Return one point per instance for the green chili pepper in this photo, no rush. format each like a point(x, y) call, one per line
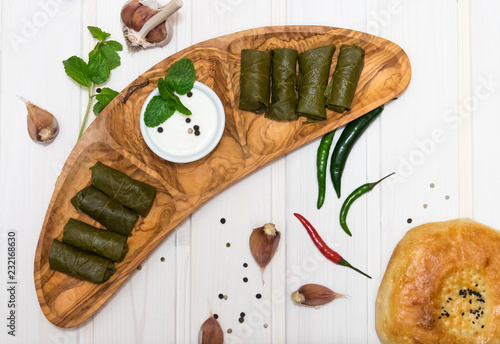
point(321, 162)
point(351, 198)
point(346, 141)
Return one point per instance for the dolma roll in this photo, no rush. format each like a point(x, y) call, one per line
point(105, 210)
point(340, 92)
point(314, 70)
point(108, 244)
point(131, 193)
point(284, 76)
point(77, 263)
point(254, 80)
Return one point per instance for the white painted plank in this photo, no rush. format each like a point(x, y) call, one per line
point(28, 171)
point(464, 110)
point(146, 305)
point(182, 35)
point(483, 104)
point(278, 217)
point(216, 18)
point(416, 138)
point(218, 269)
point(215, 268)
point(419, 140)
point(339, 321)
point(337, 13)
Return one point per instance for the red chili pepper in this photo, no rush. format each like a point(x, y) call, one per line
point(323, 247)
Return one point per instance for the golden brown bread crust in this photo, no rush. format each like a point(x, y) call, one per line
point(442, 285)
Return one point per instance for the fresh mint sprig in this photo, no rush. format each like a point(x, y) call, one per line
point(179, 79)
point(102, 59)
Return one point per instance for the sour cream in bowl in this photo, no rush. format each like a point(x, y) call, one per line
point(183, 138)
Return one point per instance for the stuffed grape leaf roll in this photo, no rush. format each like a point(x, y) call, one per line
point(105, 243)
point(284, 78)
point(111, 214)
point(77, 263)
point(340, 92)
point(131, 193)
point(314, 70)
point(255, 80)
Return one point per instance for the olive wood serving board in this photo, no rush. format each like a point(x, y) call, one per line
point(249, 142)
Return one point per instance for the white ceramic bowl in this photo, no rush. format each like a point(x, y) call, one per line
point(221, 120)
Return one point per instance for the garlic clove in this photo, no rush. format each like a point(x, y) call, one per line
point(140, 16)
point(42, 125)
point(264, 243)
point(128, 11)
point(211, 332)
point(158, 34)
point(314, 295)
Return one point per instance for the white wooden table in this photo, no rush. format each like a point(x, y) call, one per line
point(440, 137)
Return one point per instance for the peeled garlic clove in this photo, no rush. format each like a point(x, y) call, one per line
point(263, 244)
point(42, 125)
point(314, 295)
point(211, 332)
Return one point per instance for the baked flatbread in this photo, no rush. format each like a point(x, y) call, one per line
point(442, 285)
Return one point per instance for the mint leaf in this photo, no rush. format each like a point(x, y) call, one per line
point(98, 33)
point(181, 76)
point(111, 56)
point(101, 60)
point(97, 108)
point(180, 79)
point(98, 68)
point(176, 103)
point(164, 91)
point(103, 99)
point(78, 70)
point(157, 112)
point(115, 45)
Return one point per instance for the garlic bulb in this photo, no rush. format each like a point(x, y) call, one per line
point(42, 125)
point(146, 23)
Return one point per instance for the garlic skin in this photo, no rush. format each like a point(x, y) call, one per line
point(42, 125)
point(264, 242)
point(314, 295)
point(211, 332)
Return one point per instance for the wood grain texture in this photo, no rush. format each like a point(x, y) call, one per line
point(249, 142)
